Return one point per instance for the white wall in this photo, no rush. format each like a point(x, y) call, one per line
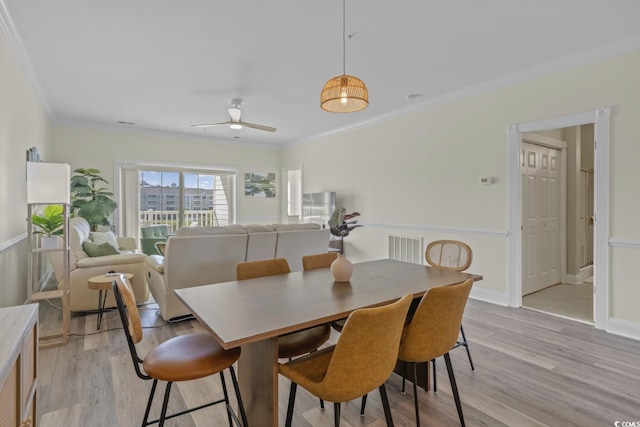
point(418, 174)
point(23, 124)
point(90, 148)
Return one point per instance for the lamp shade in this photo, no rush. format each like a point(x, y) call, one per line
point(48, 183)
point(344, 94)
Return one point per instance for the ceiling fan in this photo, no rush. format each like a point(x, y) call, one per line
point(236, 122)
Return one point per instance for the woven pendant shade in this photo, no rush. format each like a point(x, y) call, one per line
point(344, 94)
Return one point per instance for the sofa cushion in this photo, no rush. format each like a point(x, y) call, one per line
point(259, 228)
point(104, 237)
point(112, 260)
point(204, 231)
point(98, 249)
point(295, 227)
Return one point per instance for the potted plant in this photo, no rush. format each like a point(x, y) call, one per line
point(50, 224)
point(89, 199)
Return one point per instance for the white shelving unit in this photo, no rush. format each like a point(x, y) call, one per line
point(48, 184)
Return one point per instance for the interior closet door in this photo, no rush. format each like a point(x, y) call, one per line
point(540, 168)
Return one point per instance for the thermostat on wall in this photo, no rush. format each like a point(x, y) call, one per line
point(486, 180)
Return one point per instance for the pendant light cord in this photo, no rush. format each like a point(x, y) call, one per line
point(344, 38)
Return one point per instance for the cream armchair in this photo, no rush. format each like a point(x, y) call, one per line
point(82, 267)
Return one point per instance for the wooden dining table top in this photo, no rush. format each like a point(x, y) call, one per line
point(247, 311)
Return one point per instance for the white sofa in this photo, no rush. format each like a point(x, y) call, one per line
point(82, 267)
point(197, 256)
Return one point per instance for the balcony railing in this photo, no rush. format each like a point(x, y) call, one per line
point(205, 218)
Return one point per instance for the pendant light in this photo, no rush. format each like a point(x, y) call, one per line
point(345, 93)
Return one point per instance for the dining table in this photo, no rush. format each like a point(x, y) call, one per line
point(253, 313)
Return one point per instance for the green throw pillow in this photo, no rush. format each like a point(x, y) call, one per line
point(102, 249)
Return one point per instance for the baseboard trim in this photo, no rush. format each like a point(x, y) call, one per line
point(577, 279)
point(487, 295)
point(624, 328)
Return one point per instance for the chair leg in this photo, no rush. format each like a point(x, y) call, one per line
point(385, 405)
point(292, 399)
point(404, 376)
point(363, 404)
point(454, 388)
point(336, 414)
point(226, 398)
point(415, 392)
point(466, 346)
point(435, 381)
point(321, 404)
point(146, 412)
point(243, 414)
point(165, 403)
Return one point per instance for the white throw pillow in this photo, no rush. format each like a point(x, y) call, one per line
point(104, 237)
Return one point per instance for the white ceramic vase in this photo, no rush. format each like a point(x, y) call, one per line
point(341, 269)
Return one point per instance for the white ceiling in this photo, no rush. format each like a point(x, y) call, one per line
point(167, 64)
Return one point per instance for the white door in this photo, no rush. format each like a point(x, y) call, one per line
point(540, 168)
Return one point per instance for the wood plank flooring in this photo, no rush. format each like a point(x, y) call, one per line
point(532, 369)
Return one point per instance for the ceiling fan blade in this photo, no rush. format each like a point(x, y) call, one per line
point(259, 127)
point(210, 125)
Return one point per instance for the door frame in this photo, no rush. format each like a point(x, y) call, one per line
point(601, 119)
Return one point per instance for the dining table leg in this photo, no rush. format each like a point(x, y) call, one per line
point(258, 381)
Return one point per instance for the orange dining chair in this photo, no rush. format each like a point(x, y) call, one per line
point(450, 255)
point(181, 358)
point(295, 343)
point(361, 361)
point(323, 260)
point(433, 332)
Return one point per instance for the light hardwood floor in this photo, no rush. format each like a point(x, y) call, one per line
point(532, 369)
point(572, 301)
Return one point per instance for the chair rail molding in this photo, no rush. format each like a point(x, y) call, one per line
point(12, 243)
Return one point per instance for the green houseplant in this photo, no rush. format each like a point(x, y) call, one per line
point(49, 224)
point(90, 199)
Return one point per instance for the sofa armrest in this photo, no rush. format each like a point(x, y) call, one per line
point(127, 243)
point(155, 263)
point(112, 260)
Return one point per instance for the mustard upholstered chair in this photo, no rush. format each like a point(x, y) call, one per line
point(323, 260)
point(451, 255)
point(433, 332)
point(295, 343)
point(361, 361)
point(182, 358)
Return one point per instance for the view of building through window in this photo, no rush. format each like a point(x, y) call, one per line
point(185, 198)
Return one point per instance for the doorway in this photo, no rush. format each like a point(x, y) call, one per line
point(600, 118)
point(557, 234)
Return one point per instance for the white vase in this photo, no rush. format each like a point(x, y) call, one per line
point(49, 242)
point(341, 269)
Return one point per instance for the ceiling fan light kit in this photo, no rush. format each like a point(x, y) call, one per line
point(344, 93)
point(235, 122)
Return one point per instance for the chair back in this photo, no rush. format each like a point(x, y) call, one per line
point(435, 326)
point(366, 352)
point(449, 255)
point(323, 260)
point(268, 267)
point(130, 317)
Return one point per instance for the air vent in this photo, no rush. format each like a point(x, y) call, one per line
point(406, 248)
point(126, 123)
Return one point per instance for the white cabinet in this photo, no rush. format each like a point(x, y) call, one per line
point(18, 366)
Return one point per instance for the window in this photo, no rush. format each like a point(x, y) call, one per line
point(184, 198)
point(179, 197)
